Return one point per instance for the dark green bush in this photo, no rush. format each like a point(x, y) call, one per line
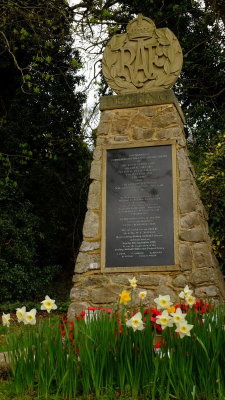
point(21, 274)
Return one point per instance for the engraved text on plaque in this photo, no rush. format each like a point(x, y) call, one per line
point(139, 207)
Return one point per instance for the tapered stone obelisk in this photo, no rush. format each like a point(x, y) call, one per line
point(144, 214)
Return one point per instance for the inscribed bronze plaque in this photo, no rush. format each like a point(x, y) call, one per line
point(139, 207)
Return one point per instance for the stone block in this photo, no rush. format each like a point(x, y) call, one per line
point(179, 281)
point(100, 141)
point(202, 255)
point(183, 164)
point(91, 224)
point(94, 199)
point(121, 279)
point(181, 141)
point(86, 262)
point(190, 220)
point(215, 262)
point(95, 172)
point(121, 138)
point(151, 279)
point(149, 111)
point(165, 290)
point(165, 119)
point(201, 276)
point(202, 211)
point(187, 198)
point(105, 295)
point(206, 291)
point(185, 257)
point(119, 126)
point(76, 279)
point(195, 186)
point(193, 235)
point(97, 154)
point(106, 116)
point(166, 108)
point(148, 299)
point(140, 133)
point(75, 308)
point(140, 121)
point(95, 280)
point(89, 246)
point(78, 294)
point(125, 112)
point(167, 133)
point(103, 128)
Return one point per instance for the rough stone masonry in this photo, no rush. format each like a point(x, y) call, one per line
point(145, 112)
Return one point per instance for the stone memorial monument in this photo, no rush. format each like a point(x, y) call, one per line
point(144, 214)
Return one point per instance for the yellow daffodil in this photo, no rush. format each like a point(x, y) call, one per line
point(178, 316)
point(171, 309)
point(190, 300)
point(186, 292)
point(136, 322)
point(48, 304)
point(125, 297)
point(30, 317)
point(163, 301)
point(164, 320)
point(184, 329)
point(20, 313)
point(142, 294)
point(5, 319)
point(133, 282)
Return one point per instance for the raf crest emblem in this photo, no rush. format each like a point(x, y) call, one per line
point(143, 59)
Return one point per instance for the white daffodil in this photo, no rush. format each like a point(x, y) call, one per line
point(133, 282)
point(136, 322)
point(190, 300)
point(164, 320)
point(163, 301)
point(20, 313)
point(186, 292)
point(48, 304)
point(184, 329)
point(30, 317)
point(5, 319)
point(178, 316)
point(142, 295)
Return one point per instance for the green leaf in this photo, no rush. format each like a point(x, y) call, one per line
point(48, 59)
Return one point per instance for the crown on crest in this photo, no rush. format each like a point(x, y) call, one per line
point(140, 27)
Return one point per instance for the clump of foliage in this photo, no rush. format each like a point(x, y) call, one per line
point(44, 161)
point(20, 275)
point(212, 184)
point(104, 356)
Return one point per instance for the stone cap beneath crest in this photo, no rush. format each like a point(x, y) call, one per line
point(141, 99)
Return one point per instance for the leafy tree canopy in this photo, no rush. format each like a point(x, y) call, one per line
point(43, 154)
point(211, 179)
